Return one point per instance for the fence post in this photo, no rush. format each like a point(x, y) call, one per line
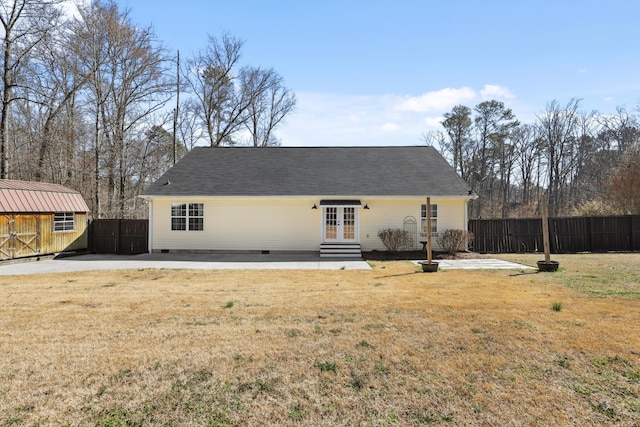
point(553, 235)
point(513, 241)
point(90, 235)
point(120, 221)
point(590, 223)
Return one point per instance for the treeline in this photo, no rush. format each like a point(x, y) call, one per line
point(93, 101)
point(587, 163)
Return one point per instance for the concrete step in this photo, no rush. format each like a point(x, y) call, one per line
point(340, 250)
point(341, 255)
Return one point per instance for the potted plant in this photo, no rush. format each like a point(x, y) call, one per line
point(429, 266)
point(547, 265)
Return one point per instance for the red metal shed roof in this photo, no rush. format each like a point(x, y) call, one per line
point(26, 196)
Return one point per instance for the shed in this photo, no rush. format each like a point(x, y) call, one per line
point(38, 218)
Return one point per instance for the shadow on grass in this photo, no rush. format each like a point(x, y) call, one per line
point(525, 273)
point(398, 275)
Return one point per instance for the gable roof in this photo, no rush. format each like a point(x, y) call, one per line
point(26, 196)
point(310, 171)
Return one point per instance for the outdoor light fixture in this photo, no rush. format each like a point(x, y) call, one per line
point(314, 206)
point(366, 206)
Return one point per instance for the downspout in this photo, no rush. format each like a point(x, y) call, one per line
point(471, 196)
point(150, 237)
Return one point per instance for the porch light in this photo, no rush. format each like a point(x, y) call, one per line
point(366, 206)
point(314, 206)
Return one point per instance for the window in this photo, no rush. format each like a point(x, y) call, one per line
point(63, 221)
point(434, 219)
point(187, 216)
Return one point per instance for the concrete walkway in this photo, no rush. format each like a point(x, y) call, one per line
point(221, 261)
point(249, 261)
point(479, 264)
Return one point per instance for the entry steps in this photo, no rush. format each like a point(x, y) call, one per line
point(340, 250)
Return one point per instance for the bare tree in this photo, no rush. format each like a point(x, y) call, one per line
point(128, 84)
point(269, 103)
point(53, 84)
point(623, 189)
point(83, 101)
point(229, 98)
point(506, 158)
point(559, 128)
point(623, 129)
point(188, 129)
point(528, 147)
point(90, 47)
point(494, 123)
point(25, 23)
point(581, 182)
point(210, 74)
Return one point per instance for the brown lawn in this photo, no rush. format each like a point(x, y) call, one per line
point(385, 347)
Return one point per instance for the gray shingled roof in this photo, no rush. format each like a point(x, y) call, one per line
point(310, 171)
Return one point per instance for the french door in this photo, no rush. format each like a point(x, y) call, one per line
point(340, 224)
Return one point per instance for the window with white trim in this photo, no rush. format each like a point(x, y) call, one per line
point(187, 216)
point(434, 219)
point(63, 221)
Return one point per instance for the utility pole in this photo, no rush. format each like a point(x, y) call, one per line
point(176, 111)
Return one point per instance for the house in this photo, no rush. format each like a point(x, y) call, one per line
point(328, 199)
point(38, 218)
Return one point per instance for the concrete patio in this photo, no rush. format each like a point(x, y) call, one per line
point(220, 261)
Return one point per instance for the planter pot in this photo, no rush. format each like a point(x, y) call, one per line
point(548, 266)
point(429, 267)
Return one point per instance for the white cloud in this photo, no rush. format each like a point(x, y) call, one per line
point(322, 119)
point(608, 99)
point(329, 119)
point(496, 92)
point(69, 8)
point(434, 122)
point(582, 70)
point(436, 101)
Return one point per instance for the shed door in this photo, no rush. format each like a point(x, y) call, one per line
point(19, 236)
point(26, 240)
point(6, 244)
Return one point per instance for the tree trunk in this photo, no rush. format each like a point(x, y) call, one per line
point(429, 244)
point(6, 101)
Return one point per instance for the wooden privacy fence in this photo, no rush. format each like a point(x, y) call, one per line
point(566, 235)
point(119, 236)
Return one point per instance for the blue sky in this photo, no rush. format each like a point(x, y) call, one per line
point(383, 72)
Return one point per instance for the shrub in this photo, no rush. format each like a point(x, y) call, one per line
point(453, 241)
point(395, 239)
point(597, 207)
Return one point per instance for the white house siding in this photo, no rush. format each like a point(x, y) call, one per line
point(390, 213)
point(241, 224)
point(276, 224)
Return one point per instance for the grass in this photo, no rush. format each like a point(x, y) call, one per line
point(597, 275)
point(453, 348)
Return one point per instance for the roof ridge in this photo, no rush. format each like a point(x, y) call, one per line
point(319, 146)
point(16, 184)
